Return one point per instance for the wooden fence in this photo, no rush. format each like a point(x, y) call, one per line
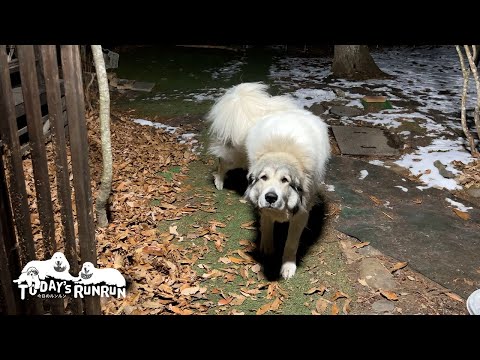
point(50, 74)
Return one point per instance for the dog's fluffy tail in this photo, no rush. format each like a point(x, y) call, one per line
point(239, 108)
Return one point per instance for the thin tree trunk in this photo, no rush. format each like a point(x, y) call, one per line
point(466, 78)
point(103, 90)
point(473, 67)
point(355, 62)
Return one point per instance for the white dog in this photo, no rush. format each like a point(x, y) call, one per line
point(91, 275)
point(57, 268)
point(285, 150)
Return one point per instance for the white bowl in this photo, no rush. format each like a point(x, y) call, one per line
point(473, 303)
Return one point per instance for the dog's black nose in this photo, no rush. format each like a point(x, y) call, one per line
point(271, 197)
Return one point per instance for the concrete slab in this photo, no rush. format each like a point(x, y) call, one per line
point(356, 140)
point(416, 226)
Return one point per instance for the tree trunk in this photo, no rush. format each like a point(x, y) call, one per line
point(106, 184)
point(355, 62)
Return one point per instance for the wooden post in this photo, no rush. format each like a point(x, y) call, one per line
point(55, 115)
point(72, 74)
point(18, 192)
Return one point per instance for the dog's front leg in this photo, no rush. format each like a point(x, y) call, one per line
point(266, 237)
point(295, 229)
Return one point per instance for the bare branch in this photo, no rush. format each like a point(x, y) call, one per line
point(466, 77)
point(473, 68)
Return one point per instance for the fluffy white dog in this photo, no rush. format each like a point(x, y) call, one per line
point(285, 150)
point(91, 275)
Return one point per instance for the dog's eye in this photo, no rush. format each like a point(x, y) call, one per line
point(264, 178)
point(284, 180)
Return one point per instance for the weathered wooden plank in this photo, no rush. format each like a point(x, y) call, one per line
point(72, 74)
point(57, 128)
point(31, 99)
point(9, 259)
point(16, 178)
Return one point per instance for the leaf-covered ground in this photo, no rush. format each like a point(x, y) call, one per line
point(187, 248)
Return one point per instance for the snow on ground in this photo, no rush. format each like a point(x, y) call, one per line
point(308, 97)
point(428, 75)
point(363, 174)
point(421, 162)
point(457, 205)
point(228, 71)
point(330, 187)
point(403, 188)
point(187, 138)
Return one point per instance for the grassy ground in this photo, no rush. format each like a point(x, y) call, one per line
point(322, 262)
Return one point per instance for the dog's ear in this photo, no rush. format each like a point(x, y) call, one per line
point(295, 184)
point(252, 179)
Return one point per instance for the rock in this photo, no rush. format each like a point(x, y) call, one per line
point(369, 251)
point(318, 109)
point(349, 251)
point(376, 275)
point(474, 192)
point(382, 306)
point(443, 170)
point(339, 93)
point(342, 110)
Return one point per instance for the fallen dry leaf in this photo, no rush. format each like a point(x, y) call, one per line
point(375, 200)
point(321, 289)
point(417, 201)
point(335, 310)
point(255, 268)
point(454, 297)
point(173, 230)
point(361, 245)
point(398, 266)
point(428, 171)
point(410, 278)
point(346, 307)
point(390, 295)
point(339, 295)
point(462, 215)
point(226, 301)
point(236, 260)
point(263, 309)
point(321, 305)
point(190, 290)
point(363, 282)
point(276, 304)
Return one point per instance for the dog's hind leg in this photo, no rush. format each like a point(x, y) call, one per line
point(266, 237)
point(295, 229)
point(224, 166)
point(219, 175)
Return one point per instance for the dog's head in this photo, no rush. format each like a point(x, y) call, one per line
point(277, 184)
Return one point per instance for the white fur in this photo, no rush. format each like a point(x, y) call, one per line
point(285, 149)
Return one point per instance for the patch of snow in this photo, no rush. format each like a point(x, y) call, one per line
point(458, 206)
point(404, 133)
point(330, 187)
point(404, 189)
point(363, 174)
point(314, 96)
point(376, 162)
point(421, 162)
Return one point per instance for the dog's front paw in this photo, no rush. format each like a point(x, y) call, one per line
point(288, 270)
point(218, 180)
